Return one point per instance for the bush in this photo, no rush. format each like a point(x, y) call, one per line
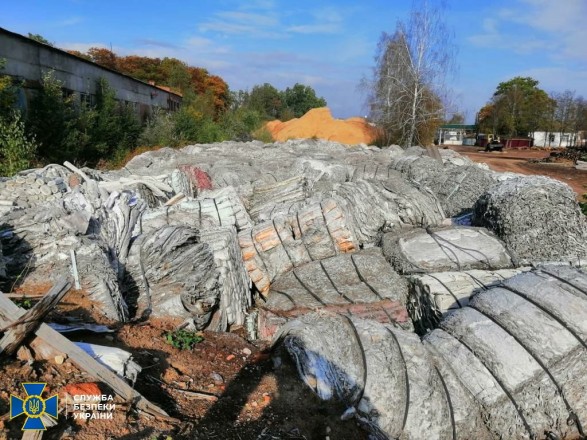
point(159, 130)
point(17, 149)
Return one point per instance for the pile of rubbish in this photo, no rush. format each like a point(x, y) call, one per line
point(432, 296)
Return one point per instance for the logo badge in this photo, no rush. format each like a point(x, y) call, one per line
point(33, 406)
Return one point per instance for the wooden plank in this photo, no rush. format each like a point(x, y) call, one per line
point(17, 331)
point(98, 371)
point(9, 312)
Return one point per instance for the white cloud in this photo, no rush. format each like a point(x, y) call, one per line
point(71, 21)
point(538, 26)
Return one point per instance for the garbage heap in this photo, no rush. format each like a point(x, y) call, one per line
point(436, 298)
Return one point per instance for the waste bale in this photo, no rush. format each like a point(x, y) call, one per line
point(175, 274)
point(441, 250)
point(457, 187)
point(233, 279)
point(511, 364)
point(190, 180)
point(274, 247)
point(382, 374)
point(117, 220)
point(268, 201)
point(538, 218)
point(362, 284)
point(376, 207)
point(98, 278)
point(33, 188)
point(433, 295)
point(2, 264)
point(520, 350)
point(217, 208)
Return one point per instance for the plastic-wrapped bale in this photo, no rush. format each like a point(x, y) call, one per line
point(29, 236)
point(272, 248)
point(218, 208)
point(235, 289)
point(175, 274)
point(441, 250)
point(511, 364)
point(419, 169)
point(383, 374)
point(32, 189)
point(460, 187)
point(98, 278)
point(457, 187)
point(268, 201)
point(379, 207)
point(117, 220)
point(538, 218)
point(520, 350)
point(190, 180)
point(361, 284)
point(2, 264)
point(433, 295)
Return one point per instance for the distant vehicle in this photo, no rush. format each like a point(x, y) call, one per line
point(489, 142)
point(494, 145)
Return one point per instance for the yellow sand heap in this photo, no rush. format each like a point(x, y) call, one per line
point(319, 123)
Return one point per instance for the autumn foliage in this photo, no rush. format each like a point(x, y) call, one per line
point(170, 72)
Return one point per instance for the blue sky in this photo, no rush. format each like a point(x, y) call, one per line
point(328, 45)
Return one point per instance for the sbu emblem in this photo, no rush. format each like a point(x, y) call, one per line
point(33, 406)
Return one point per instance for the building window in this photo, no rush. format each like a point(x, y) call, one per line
point(551, 137)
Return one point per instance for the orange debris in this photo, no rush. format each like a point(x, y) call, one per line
point(320, 124)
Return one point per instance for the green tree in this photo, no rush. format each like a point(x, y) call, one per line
point(116, 128)
point(266, 100)
point(520, 106)
point(302, 98)
point(17, 148)
point(40, 39)
point(48, 117)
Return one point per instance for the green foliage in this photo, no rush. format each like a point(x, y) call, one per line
point(116, 128)
point(183, 339)
point(7, 93)
point(266, 100)
point(17, 149)
point(23, 303)
point(239, 124)
point(263, 135)
point(159, 130)
point(40, 39)
point(299, 99)
point(67, 130)
point(518, 107)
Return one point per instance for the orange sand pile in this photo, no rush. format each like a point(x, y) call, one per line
point(319, 123)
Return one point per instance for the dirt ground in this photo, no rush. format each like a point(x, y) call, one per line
point(517, 161)
point(224, 388)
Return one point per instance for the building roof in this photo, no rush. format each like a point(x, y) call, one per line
point(459, 126)
point(64, 52)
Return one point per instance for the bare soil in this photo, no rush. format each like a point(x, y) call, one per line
point(245, 391)
point(517, 161)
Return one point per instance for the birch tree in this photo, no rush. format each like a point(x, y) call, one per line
point(407, 91)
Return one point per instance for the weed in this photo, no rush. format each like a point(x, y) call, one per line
point(183, 339)
point(24, 303)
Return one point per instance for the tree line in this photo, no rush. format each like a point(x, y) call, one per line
point(57, 126)
point(519, 107)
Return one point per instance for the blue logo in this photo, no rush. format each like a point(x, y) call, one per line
point(33, 406)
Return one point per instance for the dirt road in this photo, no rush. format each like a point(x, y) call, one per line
point(516, 161)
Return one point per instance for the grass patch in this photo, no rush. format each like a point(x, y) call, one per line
point(183, 339)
